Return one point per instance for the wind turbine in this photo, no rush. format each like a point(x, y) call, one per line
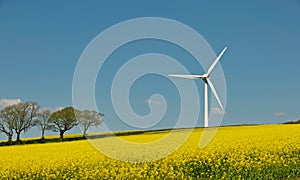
point(207, 82)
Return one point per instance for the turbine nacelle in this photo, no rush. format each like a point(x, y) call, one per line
point(204, 77)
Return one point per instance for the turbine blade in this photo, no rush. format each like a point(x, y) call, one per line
point(216, 61)
point(214, 92)
point(186, 76)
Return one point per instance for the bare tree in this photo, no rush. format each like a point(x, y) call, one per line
point(43, 121)
point(24, 114)
point(6, 124)
point(87, 119)
point(19, 117)
point(63, 120)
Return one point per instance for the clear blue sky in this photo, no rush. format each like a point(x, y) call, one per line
point(41, 42)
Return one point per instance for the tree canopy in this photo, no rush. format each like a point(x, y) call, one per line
point(87, 118)
point(43, 121)
point(6, 124)
point(18, 117)
point(63, 120)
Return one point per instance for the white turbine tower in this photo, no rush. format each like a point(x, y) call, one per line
point(207, 82)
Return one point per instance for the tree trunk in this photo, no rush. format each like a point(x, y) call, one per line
point(18, 137)
point(61, 134)
point(84, 133)
point(9, 138)
point(43, 133)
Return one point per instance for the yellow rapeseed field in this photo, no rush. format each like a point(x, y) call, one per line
point(241, 152)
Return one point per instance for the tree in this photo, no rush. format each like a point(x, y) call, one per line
point(292, 122)
point(63, 120)
point(19, 117)
point(87, 119)
point(6, 124)
point(43, 121)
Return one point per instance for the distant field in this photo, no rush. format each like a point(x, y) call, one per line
point(240, 152)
